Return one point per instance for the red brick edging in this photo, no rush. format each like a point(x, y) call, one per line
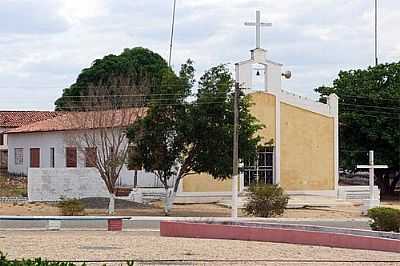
point(280, 235)
point(114, 224)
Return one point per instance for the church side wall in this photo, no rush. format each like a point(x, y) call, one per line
point(307, 150)
point(205, 183)
point(263, 109)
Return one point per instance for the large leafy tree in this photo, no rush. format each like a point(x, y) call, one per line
point(129, 70)
point(179, 137)
point(369, 117)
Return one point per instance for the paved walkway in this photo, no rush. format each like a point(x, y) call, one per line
point(100, 246)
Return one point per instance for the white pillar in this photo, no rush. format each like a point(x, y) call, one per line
point(333, 102)
point(371, 176)
point(277, 151)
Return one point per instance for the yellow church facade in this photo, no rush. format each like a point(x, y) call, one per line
point(300, 145)
point(301, 136)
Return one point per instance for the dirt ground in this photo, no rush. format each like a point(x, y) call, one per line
point(102, 245)
point(181, 210)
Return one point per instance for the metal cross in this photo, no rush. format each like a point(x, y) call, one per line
point(371, 166)
point(258, 25)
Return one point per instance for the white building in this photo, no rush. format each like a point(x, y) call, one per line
point(12, 119)
point(47, 151)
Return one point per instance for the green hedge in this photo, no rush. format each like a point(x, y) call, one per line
point(40, 262)
point(384, 219)
point(31, 262)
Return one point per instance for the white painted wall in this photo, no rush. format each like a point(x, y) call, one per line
point(59, 140)
point(51, 184)
point(44, 141)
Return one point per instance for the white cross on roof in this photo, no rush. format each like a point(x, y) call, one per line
point(258, 25)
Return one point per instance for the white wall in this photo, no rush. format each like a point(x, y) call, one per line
point(36, 140)
point(51, 184)
point(59, 141)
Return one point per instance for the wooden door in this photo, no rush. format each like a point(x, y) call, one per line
point(91, 157)
point(71, 157)
point(35, 157)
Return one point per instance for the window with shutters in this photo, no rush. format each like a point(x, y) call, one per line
point(90, 157)
point(71, 157)
point(2, 142)
point(19, 156)
point(34, 157)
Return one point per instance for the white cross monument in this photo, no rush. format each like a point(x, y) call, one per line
point(371, 202)
point(258, 25)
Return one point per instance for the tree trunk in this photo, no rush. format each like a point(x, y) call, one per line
point(111, 205)
point(169, 201)
point(135, 179)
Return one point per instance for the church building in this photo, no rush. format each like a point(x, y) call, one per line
point(299, 149)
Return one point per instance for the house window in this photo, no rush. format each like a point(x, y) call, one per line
point(71, 157)
point(52, 158)
point(90, 157)
point(19, 156)
point(34, 157)
point(260, 170)
point(2, 142)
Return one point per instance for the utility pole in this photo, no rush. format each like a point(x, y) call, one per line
point(235, 178)
point(376, 32)
point(172, 34)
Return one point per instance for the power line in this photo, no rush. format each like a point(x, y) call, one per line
point(370, 106)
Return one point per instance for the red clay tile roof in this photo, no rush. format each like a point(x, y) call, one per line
point(12, 119)
point(84, 120)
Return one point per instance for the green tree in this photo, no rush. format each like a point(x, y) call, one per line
point(369, 119)
point(179, 137)
point(129, 70)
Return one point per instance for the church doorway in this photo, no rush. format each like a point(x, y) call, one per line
point(261, 169)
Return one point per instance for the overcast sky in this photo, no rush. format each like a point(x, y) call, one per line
point(44, 44)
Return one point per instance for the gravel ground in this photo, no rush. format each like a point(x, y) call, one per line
point(102, 245)
point(102, 203)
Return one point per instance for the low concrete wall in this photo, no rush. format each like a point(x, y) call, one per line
point(356, 193)
point(53, 183)
point(278, 234)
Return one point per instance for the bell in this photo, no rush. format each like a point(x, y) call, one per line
point(258, 73)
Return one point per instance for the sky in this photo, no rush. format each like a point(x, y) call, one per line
point(44, 44)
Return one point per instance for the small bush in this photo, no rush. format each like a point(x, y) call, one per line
point(384, 219)
point(266, 200)
point(71, 207)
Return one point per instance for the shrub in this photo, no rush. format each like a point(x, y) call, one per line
point(384, 219)
point(71, 207)
point(266, 200)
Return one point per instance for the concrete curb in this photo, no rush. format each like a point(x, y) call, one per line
point(171, 218)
